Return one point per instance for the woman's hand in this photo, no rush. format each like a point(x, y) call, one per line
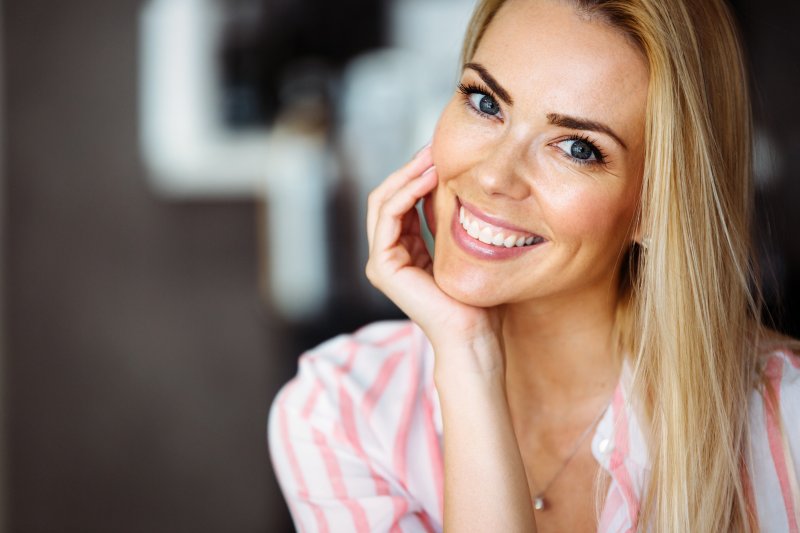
point(401, 267)
point(469, 366)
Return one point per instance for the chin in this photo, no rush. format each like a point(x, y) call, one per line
point(471, 290)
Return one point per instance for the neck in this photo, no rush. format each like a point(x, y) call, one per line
point(560, 354)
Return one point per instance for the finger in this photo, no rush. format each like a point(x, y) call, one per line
point(416, 251)
point(394, 214)
point(390, 217)
point(419, 253)
point(424, 262)
point(411, 223)
point(418, 164)
point(394, 183)
point(401, 202)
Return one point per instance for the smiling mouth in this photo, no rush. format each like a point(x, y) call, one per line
point(492, 235)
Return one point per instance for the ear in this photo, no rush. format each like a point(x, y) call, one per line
point(639, 239)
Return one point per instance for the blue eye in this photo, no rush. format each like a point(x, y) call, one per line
point(484, 103)
point(480, 100)
point(581, 150)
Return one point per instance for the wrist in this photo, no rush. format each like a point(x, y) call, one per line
point(473, 363)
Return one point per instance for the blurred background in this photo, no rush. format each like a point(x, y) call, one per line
point(182, 192)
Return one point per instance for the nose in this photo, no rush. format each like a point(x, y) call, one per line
point(501, 171)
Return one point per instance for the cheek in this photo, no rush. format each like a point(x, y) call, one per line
point(600, 216)
point(455, 141)
point(585, 206)
point(445, 150)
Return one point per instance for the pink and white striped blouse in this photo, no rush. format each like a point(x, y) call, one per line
point(356, 440)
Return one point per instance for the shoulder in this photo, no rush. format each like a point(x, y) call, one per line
point(780, 380)
point(361, 360)
point(344, 433)
point(778, 390)
point(778, 368)
point(774, 460)
point(359, 385)
point(783, 364)
point(782, 371)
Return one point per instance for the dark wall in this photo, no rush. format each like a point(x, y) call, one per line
point(142, 362)
point(3, 225)
point(771, 31)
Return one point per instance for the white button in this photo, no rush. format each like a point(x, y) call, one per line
point(604, 446)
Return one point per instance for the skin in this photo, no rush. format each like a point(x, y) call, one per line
point(524, 358)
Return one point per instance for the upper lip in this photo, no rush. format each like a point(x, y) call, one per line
point(493, 220)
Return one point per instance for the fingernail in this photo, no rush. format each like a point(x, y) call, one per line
point(423, 148)
point(430, 169)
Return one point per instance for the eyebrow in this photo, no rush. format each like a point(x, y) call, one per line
point(557, 119)
point(489, 80)
point(576, 123)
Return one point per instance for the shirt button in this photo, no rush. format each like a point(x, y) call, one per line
point(604, 445)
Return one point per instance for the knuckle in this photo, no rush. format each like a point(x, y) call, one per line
point(369, 272)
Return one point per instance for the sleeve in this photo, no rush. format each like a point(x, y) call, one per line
point(784, 371)
point(330, 463)
point(789, 401)
point(775, 445)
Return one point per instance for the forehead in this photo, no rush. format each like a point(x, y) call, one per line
point(547, 55)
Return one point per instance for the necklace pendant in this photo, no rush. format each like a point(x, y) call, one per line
point(539, 503)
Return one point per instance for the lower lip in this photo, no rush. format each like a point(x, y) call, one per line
point(481, 250)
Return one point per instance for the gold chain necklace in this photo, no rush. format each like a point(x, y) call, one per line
point(539, 501)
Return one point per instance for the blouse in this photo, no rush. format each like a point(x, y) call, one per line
point(355, 440)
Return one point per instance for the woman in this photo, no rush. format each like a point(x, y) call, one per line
point(588, 317)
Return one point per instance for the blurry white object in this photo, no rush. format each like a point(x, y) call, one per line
point(188, 150)
point(431, 28)
point(390, 101)
point(190, 153)
point(392, 98)
point(296, 229)
point(767, 161)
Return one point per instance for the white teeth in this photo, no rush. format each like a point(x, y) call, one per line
point(488, 234)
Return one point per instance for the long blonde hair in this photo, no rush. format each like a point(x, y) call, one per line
point(689, 305)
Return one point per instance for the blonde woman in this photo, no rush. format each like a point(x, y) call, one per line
point(584, 351)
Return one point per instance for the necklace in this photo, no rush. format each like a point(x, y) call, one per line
point(539, 501)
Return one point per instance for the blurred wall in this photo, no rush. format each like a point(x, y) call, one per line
point(771, 30)
point(142, 361)
point(3, 225)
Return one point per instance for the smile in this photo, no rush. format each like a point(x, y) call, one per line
point(486, 237)
point(496, 236)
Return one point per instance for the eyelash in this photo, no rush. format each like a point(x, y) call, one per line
point(468, 89)
point(600, 157)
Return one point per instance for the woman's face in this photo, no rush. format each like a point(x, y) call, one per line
point(542, 145)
